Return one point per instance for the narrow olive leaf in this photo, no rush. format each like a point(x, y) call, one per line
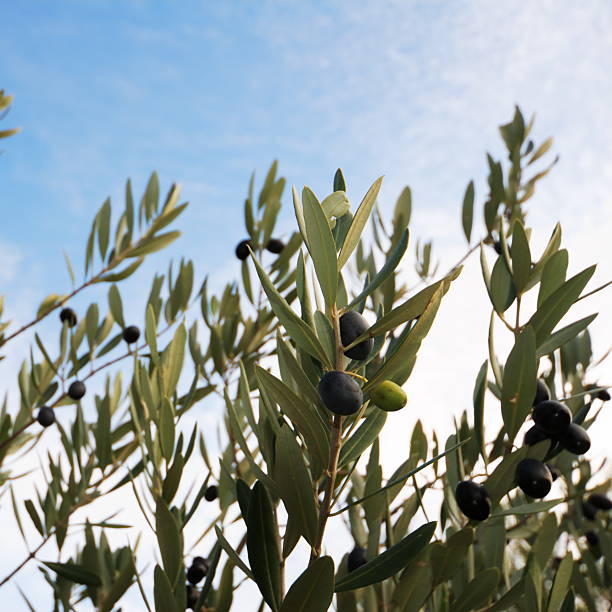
point(502, 477)
point(295, 485)
point(166, 429)
point(335, 205)
point(122, 274)
point(69, 267)
point(467, 211)
point(565, 334)
point(31, 510)
point(390, 265)
point(394, 481)
point(325, 334)
point(302, 414)
point(410, 309)
point(560, 584)
point(478, 591)
point(413, 588)
point(74, 573)
point(363, 438)
point(169, 539)
point(553, 275)
point(552, 247)
point(299, 216)
point(521, 257)
point(300, 331)
point(532, 508)
point(215, 555)
point(116, 305)
point(151, 333)
point(104, 227)
point(162, 591)
point(556, 305)
point(510, 597)
point(262, 546)
point(519, 382)
point(406, 352)
point(321, 246)
point(359, 222)
point(313, 591)
point(389, 562)
point(403, 208)
point(232, 554)
point(151, 245)
point(305, 386)
point(480, 388)
point(502, 287)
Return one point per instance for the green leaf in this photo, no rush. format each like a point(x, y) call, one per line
point(553, 275)
point(116, 305)
point(478, 591)
point(565, 334)
point(403, 208)
point(502, 288)
point(300, 331)
point(519, 382)
point(451, 555)
point(413, 588)
point(49, 303)
point(467, 211)
point(302, 414)
point(502, 477)
point(74, 573)
point(295, 485)
point(313, 591)
point(166, 429)
point(532, 508)
point(262, 546)
point(410, 309)
point(363, 438)
point(232, 554)
point(321, 246)
point(391, 263)
point(521, 257)
point(480, 388)
point(389, 562)
point(170, 541)
point(151, 245)
point(560, 584)
point(335, 205)
point(151, 333)
point(552, 247)
point(406, 352)
point(359, 222)
point(162, 592)
point(104, 227)
point(122, 274)
point(554, 307)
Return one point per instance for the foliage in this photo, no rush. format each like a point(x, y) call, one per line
point(288, 464)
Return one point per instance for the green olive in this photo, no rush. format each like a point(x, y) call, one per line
point(388, 396)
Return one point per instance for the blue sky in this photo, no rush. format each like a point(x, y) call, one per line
point(207, 92)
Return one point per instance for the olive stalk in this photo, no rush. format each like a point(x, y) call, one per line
point(334, 447)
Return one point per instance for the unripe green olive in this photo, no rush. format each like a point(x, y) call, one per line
point(388, 396)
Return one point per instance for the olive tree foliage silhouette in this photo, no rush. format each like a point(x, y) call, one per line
point(307, 389)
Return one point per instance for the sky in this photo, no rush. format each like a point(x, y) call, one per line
point(205, 93)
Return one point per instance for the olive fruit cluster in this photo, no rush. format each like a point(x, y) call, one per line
point(67, 315)
point(77, 390)
point(356, 558)
point(595, 502)
point(46, 416)
point(197, 570)
point(275, 245)
point(340, 393)
point(473, 500)
point(352, 325)
point(553, 421)
point(193, 595)
point(211, 493)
